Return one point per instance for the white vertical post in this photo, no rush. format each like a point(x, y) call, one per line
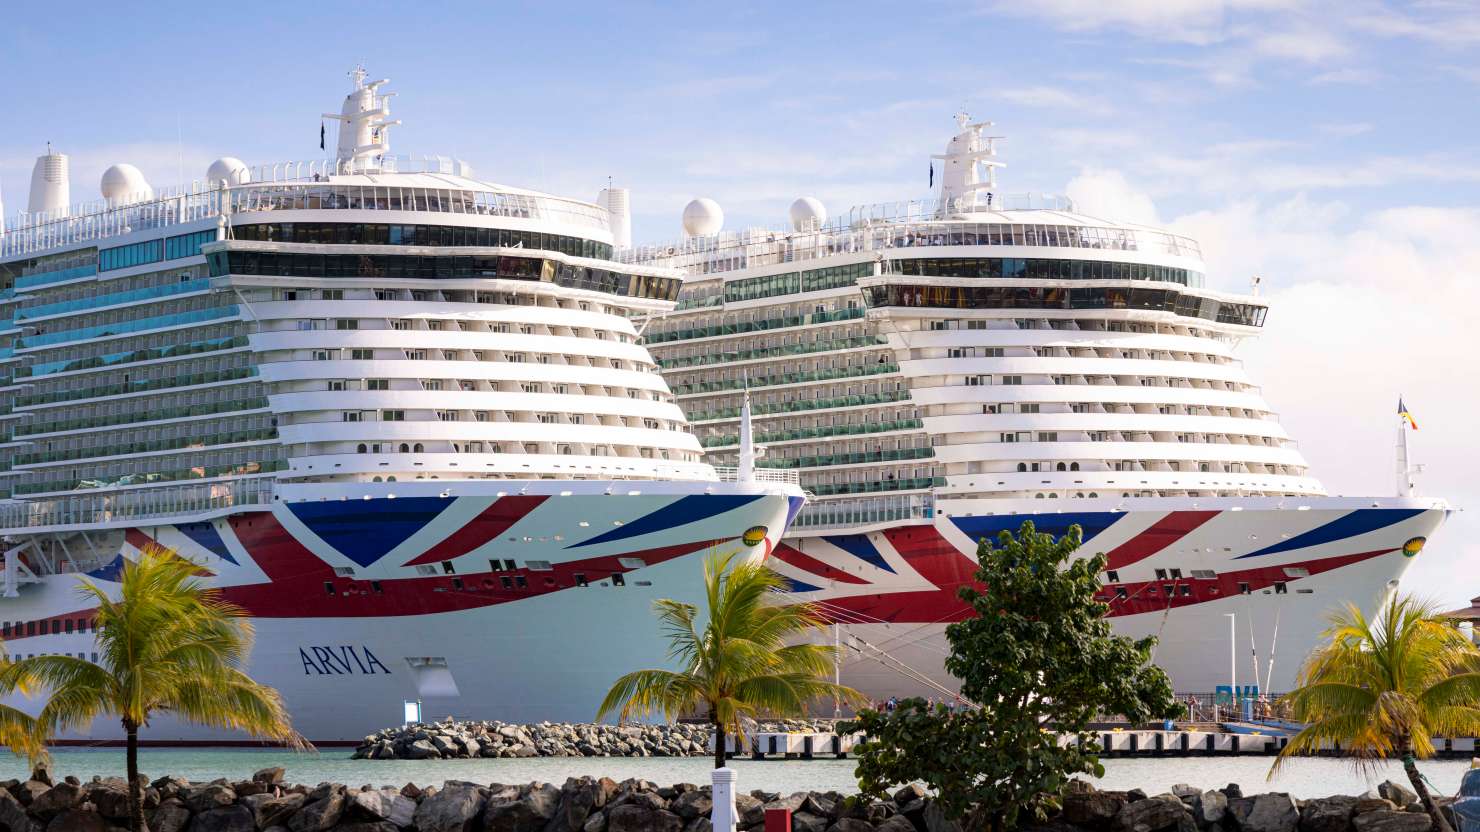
point(723, 815)
point(1233, 657)
point(837, 672)
point(745, 469)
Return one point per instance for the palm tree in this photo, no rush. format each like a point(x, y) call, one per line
point(167, 645)
point(1383, 688)
point(739, 663)
point(18, 729)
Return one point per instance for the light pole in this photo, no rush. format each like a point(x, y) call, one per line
point(1233, 660)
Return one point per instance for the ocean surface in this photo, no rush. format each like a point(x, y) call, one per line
point(1301, 778)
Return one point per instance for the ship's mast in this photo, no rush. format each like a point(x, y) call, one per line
point(364, 134)
point(968, 178)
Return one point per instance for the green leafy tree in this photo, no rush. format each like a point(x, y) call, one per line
point(168, 644)
point(749, 658)
point(1383, 688)
point(1037, 660)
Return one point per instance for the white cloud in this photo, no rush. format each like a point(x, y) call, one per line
point(1345, 130)
point(1346, 76)
point(1108, 194)
point(1446, 24)
point(1190, 21)
point(1056, 98)
point(1308, 44)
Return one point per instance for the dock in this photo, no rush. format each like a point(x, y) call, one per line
point(1113, 744)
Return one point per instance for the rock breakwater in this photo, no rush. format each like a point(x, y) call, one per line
point(451, 739)
point(266, 803)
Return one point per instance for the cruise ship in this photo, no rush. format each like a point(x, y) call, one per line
point(942, 370)
point(399, 414)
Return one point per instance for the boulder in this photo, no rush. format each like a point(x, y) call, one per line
point(29, 791)
point(420, 750)
point(749, 811)
point(897, 823)
point(808, 822)
point(1273, 812)
point(1209, 808)
point(276, 811)
point(936, 821)
point(1373, 804)
point(367, 826)
point(319, 814)
point(374, 805)
point(826, 805)
point(1091, 807)
point(453, 809)
point(110, 798)
point(1328, 814)
point(595, 822)
point(635, 818)
point(1150, 815)
point(527, 811)
point(699, 824)
point(55, 800)
point(269, 776)
point(690, 805)
point(171, 816)
point(13, 815)
point(42, 773)
point(1396, 792)
point(78, 820)
point(792, 802)
point(204, 797)
point(850, 825)
point(1387, 820)
point(224, 819)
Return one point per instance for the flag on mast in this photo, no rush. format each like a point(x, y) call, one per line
point(1405, 415)
point(932, 173)
point(321, 136)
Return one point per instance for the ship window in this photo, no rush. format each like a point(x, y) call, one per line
point(1113, 576)
point(581, 579)
point(506, 581)
point(1161, 574)
point(1186, 589)
point(1243, 587)
point(5, 629)
point(43, 627)
point(618, 580)
point(447, 567)
point(375, 585)
point(520, 581)
point(328, 587)
point(1175, 573)
point(1280, 588)
point(509, 564)
point(68, 623)
point(457, 583)
point(1121, 593)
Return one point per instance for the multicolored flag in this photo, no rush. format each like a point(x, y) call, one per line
point(1405, 415)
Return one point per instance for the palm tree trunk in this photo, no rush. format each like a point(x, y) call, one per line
point(1410, 767)
point(135, 798)
point(719, 744)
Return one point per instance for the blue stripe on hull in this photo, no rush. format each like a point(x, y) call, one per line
point(1361, 521)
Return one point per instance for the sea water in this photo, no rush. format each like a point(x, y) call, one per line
point(1309, 777)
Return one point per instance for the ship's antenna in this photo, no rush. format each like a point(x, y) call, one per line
point(1254, 285)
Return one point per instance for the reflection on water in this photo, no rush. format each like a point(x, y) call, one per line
point(1301, 778)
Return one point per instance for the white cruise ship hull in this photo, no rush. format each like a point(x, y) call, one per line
point(522, 607)
point(1280, 567)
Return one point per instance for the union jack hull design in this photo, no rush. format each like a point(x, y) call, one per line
point(518, 607)
point(1279, 568)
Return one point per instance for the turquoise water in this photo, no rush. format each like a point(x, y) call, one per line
point(1301, 778)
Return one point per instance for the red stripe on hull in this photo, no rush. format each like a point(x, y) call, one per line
point(943, 565)
point(301, 581)
point(1163, 533)
point(502, 513)
point(786, 554)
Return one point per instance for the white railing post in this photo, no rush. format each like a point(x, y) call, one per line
point(723, 815)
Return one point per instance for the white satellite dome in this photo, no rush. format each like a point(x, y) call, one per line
point(229, 168)
point(125, 183)
point(702, 217)
point(807, 214)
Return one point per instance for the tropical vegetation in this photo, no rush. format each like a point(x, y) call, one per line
point(166, 645)
point(1036, 660)
point(748, 658)
point(1382, 688)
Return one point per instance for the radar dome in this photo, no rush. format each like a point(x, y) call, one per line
point(125, 183)
point(229, 168)
point(807, 214)
point(702, 217)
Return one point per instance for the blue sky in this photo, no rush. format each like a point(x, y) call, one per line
point(1329, 147)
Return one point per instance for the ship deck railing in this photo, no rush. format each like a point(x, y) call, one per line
point(287, 186)
point(119, 506)
point(904, 225)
